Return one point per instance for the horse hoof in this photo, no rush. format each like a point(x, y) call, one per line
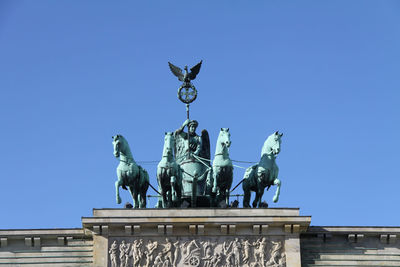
point(119, 200)
point(275, 199)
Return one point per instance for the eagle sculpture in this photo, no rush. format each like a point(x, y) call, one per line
point(187, 76)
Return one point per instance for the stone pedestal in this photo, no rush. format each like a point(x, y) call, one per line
point(196, 237)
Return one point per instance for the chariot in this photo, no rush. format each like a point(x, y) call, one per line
point(193, 259)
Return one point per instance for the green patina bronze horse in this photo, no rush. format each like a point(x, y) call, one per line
point(131, 176)
point(222, 168)
point(264, 174)
point(169, 175)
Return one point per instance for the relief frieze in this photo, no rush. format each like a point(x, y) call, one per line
point(196, 252)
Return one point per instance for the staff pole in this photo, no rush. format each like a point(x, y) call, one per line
point(188, 135)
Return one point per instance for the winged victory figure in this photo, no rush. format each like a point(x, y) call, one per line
point(187, 76)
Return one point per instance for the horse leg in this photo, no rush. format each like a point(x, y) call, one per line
point(255, 201)
point(246, 199)
point(227, 196)
point(278, 183)
point(118, 183)
point(136, 199)
point(215, 176)
point(164, 196)
point(142, 199)
point(131, 189)
point(173, 189)
point(134, 195)
point(229, 179)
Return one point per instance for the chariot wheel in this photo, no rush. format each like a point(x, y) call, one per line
point(194, 261)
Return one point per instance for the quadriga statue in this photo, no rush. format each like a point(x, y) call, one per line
point(193, 157)
point(130, 175)
point(169, 175)
point(264, 174)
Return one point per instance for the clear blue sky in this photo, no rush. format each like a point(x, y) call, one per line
point(325, 73)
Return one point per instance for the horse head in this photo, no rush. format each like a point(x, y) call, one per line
point(223, 141)
point(272, 146)
point(121, 146)
point(117, 145)
point(169, 143)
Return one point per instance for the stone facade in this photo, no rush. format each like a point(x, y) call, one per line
point(350, 246)
point(201, 237)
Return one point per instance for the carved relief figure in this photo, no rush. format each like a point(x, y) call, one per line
point(260, 251)
point(166, 263)
point(207, 252)
point(176, 252)
point(151, 247)
point(136, 252)
point(246, 251)
point(217, 259)
point(123, 254)
point(191, 246)
point(158, 262)
point(228, 254)
point(167, 251)
point(236, 247)
point(282, 260)
point(113, 254)
point(192, 255)
point(275, 253)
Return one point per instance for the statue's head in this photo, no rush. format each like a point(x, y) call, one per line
point(192, 126)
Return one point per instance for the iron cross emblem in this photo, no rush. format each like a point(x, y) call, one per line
point(187, 93)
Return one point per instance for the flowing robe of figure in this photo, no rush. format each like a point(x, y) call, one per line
point(193, 157)
point(246, 251)
point(176, 253)
point(113, 254)
point(123, 253)
point(151, 247)
point(167, 251)
point(236, 247)
point(260, 252)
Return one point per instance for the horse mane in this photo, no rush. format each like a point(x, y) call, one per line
point(127, 151)
point(267, 144)
point(172, 146)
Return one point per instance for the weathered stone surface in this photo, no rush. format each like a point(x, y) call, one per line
point(350, 246)
point(46, 247)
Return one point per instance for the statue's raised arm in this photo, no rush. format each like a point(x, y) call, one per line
point(183, 146)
